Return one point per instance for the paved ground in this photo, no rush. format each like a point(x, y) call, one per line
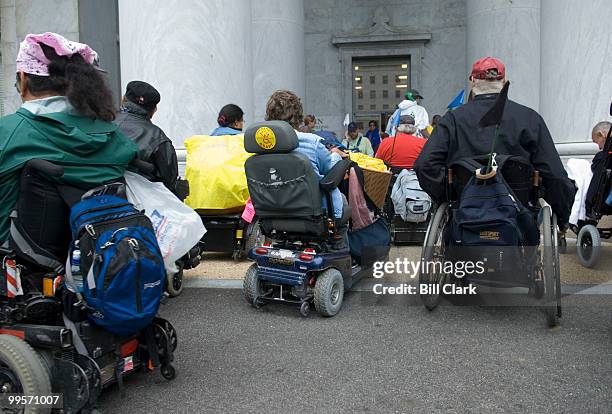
point(390, 358)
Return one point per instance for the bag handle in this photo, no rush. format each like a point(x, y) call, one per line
point(487, 176)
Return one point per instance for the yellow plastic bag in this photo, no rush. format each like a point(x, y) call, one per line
point(367, 162)
point(215, 171)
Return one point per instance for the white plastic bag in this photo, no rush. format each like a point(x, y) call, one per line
point(178, 228)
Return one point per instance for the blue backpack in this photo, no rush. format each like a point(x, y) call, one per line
point(121, 263)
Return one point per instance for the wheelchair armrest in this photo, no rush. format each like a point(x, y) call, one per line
point(335, 176)
point(45, 167)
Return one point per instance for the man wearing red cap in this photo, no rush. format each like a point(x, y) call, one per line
point(522, 133)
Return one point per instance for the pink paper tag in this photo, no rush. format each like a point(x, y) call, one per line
point(249, 211)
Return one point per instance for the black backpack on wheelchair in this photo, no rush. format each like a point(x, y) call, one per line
point(495, 221)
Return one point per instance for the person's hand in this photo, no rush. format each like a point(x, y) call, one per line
point(340, 152)
point(563, 228)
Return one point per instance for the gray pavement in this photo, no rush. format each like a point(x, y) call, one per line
point(390, 358)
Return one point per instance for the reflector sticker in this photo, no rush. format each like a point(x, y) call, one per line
point(128, 364)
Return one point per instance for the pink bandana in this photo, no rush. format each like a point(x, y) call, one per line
point(32, 60)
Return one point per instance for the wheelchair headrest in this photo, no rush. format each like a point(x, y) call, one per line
point(270, 137)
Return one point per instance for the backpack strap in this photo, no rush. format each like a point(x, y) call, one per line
point(76, 338)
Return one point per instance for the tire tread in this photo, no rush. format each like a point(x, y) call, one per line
point(34, 378)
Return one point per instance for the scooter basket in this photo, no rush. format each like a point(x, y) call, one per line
point(376, 185)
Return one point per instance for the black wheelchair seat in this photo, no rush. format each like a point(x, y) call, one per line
point(285, 190)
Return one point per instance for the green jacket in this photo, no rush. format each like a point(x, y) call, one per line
point(91, 152)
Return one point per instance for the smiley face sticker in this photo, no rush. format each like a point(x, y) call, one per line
point(265, 138)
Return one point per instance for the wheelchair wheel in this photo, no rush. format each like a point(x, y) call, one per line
point(174, 281)
point(329, 292)
point(22, 371)
point(255, 238)
point(251, 286)
point(589, 245)
point(549, 268)
point(557, 263)
point(433, 249)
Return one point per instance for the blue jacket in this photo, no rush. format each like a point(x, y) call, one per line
point(374, 137)
point(322, 161)
point(224, 131)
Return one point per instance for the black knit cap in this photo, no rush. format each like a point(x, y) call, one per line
point(142, 94)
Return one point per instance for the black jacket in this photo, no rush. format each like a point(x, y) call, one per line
point(154, 146)
point(523, 133)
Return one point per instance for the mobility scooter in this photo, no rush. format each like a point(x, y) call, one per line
point(299, 264)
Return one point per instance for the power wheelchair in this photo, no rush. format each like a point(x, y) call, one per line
point(300, 264)
point(537, 264)
point(47, 344)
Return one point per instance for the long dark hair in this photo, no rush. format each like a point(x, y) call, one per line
point(79, 81)
point(229, 114)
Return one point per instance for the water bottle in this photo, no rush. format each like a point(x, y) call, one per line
point(75, 267)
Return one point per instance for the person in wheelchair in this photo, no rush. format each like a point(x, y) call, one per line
point(598, 165)
point(65, 119)
point(139, 104)
point(286, 106)
point(230, 120)
point(402, 150)
point(522, 133)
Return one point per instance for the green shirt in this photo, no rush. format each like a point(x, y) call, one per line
point(91, 152)
point(361, 144)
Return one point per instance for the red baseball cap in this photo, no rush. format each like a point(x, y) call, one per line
point(481, 68)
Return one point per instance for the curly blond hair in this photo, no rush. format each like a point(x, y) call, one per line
point(286, 106)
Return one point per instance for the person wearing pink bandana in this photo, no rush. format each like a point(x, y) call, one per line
point(66, 119)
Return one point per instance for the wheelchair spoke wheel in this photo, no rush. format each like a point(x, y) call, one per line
point(558, 247)
point(549, 271)
point(433, 251)
point(254, 239)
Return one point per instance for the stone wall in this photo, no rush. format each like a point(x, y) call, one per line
point(442, 66)
point(20, 17)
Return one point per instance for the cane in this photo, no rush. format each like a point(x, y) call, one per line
point(493, 117)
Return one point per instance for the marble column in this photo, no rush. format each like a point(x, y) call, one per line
point(510, 31)
point(198, 54)
point(21, 17)
point(576, 60)
point(278, 50)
